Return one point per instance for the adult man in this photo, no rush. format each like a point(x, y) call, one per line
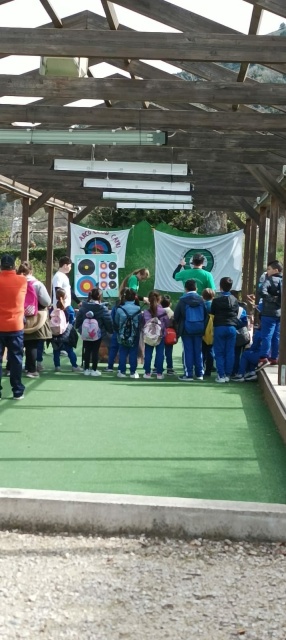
point(61, 281)
point(12, 298)
point(203, 278)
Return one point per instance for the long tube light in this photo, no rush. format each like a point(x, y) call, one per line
point(106, 166)
point(155, 205)
point(105, 183)
point(80, 136)
point(147, 197)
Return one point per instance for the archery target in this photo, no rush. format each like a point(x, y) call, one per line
point(85, 285)
point(86, 267)
point(97, 246)
point(96, 271)
point(108, 274)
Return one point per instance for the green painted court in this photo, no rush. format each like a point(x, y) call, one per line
point(197, 440)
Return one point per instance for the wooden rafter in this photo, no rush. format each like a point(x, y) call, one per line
point(42, 199)
point(274, 6)
point(268, 182)
point(253, 30)
point(243, 205)
point(51, 13)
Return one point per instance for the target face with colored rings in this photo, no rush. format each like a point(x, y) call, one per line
point(86, 267)
point(103, 275)
point(208, 258)
point(112, 285)
point(112, 265)
point(98, 245)
point(86, 284)
point(103, 265)
point(103, 285)
point(112, 275)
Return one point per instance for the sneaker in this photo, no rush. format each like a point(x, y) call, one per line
point(57, 369)
point(40, 367)
point(107, 370)
point(77, 369)
point(154, 372)
point(250, 374)
point(250, 378)
point(135, 375)
point(185, 379)
point(263, 362)
point(238, 379)
point(220, 380)
point(273, 362)
point(86, 372)
point(200, 378)
point(147, 376)
point(170, 372)
point(226, 378)
point(95, 373)
point(35, 374)
point(7, 372)
point(121, 375)
point(19, 397)
point(63, 353)
point(237, 376)
point(160, 376)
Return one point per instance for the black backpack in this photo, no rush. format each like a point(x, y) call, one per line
point(128, 330)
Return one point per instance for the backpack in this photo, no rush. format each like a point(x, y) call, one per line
point(208, 336)
point(195, 319)
point(170, 336)
point(153, 331)
point(128, 330)
point(58, 322)
point(90, 330)
point(31, 301)
point(242, 337)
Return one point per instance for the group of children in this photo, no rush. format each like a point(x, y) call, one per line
point(211, 327)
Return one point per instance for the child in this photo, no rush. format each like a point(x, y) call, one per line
point(249, 360)
point(93, 309)
point(127, 326)
point(270, 291)
point(225, 310)
point(191, 317)
point(63, 341)
point(207, 349)
point(166, 303)
point(155, 323)
point(113, 345)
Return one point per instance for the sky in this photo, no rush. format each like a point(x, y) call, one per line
point(30, 13)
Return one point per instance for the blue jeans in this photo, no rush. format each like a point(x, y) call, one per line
point(71, 354)
point(192, 356)
point(124, 352)
point(248, 361)
point(14, 343)
point(270, 334)
point(159, 357)
point(40, 350)
point(224, 345)
point(112, 351)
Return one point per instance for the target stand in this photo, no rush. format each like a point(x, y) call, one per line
point(96, 271)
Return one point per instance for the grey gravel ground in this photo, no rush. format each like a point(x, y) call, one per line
point(118, 588)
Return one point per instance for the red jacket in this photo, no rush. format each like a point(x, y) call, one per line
point(12, 298)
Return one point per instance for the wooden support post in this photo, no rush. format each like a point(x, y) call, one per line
point(246, 259)
point(25, 230)
point(70, 219)
point(50, 249)
point(252, 253)
point(282, 346)
point(273, 228)
point(261, 249)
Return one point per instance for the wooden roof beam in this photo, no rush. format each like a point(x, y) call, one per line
point(244, 205)
point(80, 216)
point(239, 223)
point(265, 178)
point(131, 44)
point(253, 29)
point(42, 199)
point(51, 13)
point(117, 88)
point(274, 6)
point(144, 118)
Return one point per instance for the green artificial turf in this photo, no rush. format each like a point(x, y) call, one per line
point(197, 440)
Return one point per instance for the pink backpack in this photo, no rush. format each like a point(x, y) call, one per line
point(31, 300)
point(58, 322)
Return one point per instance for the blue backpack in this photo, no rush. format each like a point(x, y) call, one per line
point(195, 319)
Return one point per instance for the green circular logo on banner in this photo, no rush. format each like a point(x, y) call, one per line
point(208, 256)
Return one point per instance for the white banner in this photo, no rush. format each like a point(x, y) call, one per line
point(223, 257)
point(89, 241)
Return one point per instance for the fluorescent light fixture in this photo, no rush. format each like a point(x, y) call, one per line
point(171, 206)
point(141, 185)
point(81, 136)
point(147, 197)
point(106, 166)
